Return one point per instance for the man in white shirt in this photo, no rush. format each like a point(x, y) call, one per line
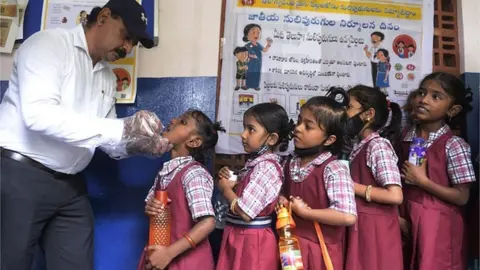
point(58, 109)
point(371, 53)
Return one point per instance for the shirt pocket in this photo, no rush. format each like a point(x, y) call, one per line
point(107, 104)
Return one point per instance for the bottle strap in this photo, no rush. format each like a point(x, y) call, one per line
point(326, 257)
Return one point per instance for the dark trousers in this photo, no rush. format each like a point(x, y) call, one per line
point(38, 209)
point(374, 73)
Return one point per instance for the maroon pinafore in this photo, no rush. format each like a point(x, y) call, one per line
point(249, 246)
point(437, 227)
point(182, 222)
point(374, 242)
point(313, 192)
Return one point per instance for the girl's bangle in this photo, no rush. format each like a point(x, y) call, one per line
point(232, 205)
point(367, 193)
point(190, 240)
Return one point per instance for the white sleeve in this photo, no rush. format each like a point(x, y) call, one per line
point(40, 64)
point(115, 152)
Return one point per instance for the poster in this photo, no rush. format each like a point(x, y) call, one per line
point(9, 25)
point(21, 7)
point(68, 14)
point(289, 51)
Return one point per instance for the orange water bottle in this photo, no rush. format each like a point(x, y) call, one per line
point(159, 232)
point(290, 255)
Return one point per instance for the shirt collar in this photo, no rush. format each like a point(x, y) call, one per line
point(266, 156)
point(80, 41)
point(173, 164)
point(365, 140)
point(318, 160)
point(412, 133)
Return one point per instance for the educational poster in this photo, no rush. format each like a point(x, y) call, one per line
point(289, 51)
point(68, 14)
point(9, 24)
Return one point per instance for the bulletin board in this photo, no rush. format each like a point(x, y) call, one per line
point(33, 18)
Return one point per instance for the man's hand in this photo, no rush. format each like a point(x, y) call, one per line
point(141, 135)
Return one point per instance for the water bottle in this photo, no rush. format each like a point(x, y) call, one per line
point(159, 231)
point(417, 152)
point(290, 255)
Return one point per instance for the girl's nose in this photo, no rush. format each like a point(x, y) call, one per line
point(297, 129)
point(424, 99)
point(244, 135)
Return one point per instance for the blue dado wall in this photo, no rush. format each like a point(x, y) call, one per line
point(118, 188)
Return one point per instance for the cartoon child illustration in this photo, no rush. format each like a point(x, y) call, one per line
point(383, 67)
point(82, 18)
point(411, 50)
point(241, 53)
point(125, 83)
point(401, 49)
point(252, 34)
point(371, 53)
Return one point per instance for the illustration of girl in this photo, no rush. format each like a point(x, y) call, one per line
point(401, 49)
point(82, 17)
point(383, 67)
point(252, 34)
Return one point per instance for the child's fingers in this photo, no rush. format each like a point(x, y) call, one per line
point(151, 248)
point(224, 173)
point(156, 204)
point(152, 210)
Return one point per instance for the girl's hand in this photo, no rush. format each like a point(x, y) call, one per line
point(224, 172)
point(160, 257)
point(415, 175)
point(298, 205)
point(224, 183)
point(269, 41)
point(154, 207)
point(283, 201)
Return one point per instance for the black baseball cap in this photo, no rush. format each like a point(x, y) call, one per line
point(134, 17)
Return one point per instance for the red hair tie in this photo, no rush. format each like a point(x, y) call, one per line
point(388, 104)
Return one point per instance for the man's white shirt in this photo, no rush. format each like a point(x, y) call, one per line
point(58, 108)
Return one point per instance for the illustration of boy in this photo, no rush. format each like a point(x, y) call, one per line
point(241, 53)
point(376, 38)
point(411, 50)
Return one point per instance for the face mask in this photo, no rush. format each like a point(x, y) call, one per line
point(260, 151)
point(308, 152)
point(354, 125)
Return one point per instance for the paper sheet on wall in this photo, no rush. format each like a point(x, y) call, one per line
point(289, 51)
point(21, 7)
point(68, 14)
point(8, 25)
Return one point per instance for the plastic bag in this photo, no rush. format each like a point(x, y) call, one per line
point(142, 135)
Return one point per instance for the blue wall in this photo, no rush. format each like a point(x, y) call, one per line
point(118, 188)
